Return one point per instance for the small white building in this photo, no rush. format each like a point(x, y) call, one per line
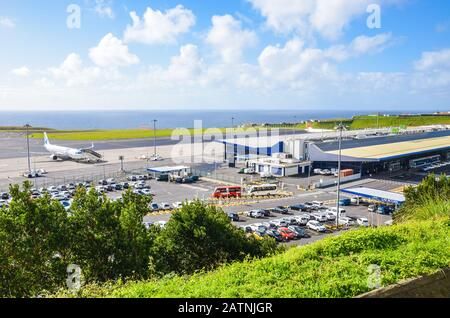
point(279, 165)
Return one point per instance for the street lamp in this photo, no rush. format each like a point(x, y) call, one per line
point(27, 127)
point(340, 128)
point(154, 135)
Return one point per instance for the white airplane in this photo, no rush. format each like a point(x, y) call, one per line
point(66, 153)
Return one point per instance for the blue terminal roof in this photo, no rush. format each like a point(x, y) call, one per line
point(377, 195)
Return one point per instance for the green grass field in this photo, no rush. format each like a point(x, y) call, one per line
point(357, 122)
point(333, 267)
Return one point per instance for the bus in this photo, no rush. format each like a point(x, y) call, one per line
point(422, 162)
point(263, 189)
point(227, 192)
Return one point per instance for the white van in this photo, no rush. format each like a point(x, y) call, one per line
point(342, 212)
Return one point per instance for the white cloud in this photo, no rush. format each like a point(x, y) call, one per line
point(229, 39)
point(328, 18)
point(433, 72)
point(73, 73)
point(111, 52)
point(104, 9)
point(7, 23)
point(433, 60)
point(21, 71)
point(295, 60)
point(159, 27)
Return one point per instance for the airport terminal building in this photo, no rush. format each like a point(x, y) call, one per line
point(299, 155)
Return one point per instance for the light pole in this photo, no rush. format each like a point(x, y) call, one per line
point(27, 127)
point(340, 127)
point(154, 135)
point(121, 158)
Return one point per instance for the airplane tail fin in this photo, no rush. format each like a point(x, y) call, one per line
point(46, 141)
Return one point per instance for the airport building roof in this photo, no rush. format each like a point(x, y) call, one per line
point(377, 195)
point(397, 149)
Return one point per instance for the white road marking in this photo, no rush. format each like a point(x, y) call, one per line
point(195, 188)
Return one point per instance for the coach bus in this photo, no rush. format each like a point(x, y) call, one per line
point(263, 189)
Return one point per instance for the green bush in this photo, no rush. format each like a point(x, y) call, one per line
point(333, 267)
point(200, 237)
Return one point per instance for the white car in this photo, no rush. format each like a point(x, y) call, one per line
point(331, 216)
point(257, 214)
point(164, 206)
point(280, 223)
point(3, 203)
point(156, 158)
point(146, 191)
point(363, 222)
point(177, 205)
point(147, 224)
point(162, 224)
point(333, 211)
point(302, 219)
point(319, 216)
point(317, 203)
point(316, 226)
point(346, 221)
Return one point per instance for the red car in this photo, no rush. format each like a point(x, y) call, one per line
point(287, 234)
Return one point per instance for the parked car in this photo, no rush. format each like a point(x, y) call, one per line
point(302, 219)
point(281, 223)
point(300, 232)
point(298, 207)
point(319, 216)
point(132, 178)
point(331, 216)
point(333, 210)
point(125, 185)
point(317, 204)
point(372, 208)
point(346, 221)
point(386, 210)
point(164, 206)
point(4, 196)
point(363, 222)
point(177, 205)
point(233, 217)
point(103, 182)
point(154, 206)
point(345, 202)
point(277, 236)
point(310, 207)
point(257, 214)
point(118, 187)
point(316, 226)
point(280, 210)
point(162, 177)
point(66, 204)
point(287, 234)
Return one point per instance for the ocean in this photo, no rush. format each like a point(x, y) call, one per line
point(166, 119)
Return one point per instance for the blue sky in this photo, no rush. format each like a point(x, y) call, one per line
point(187, 54)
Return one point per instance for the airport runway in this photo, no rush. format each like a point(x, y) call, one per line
point(13, 145)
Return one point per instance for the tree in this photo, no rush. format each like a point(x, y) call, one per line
point(200, 237)
point(33, 245)
point(108, 238)
point(432, 190)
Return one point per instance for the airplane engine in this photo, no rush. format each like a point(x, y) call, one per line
point(53, 157)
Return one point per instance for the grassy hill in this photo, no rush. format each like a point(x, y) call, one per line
point(333, 267)
point(362, 122)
